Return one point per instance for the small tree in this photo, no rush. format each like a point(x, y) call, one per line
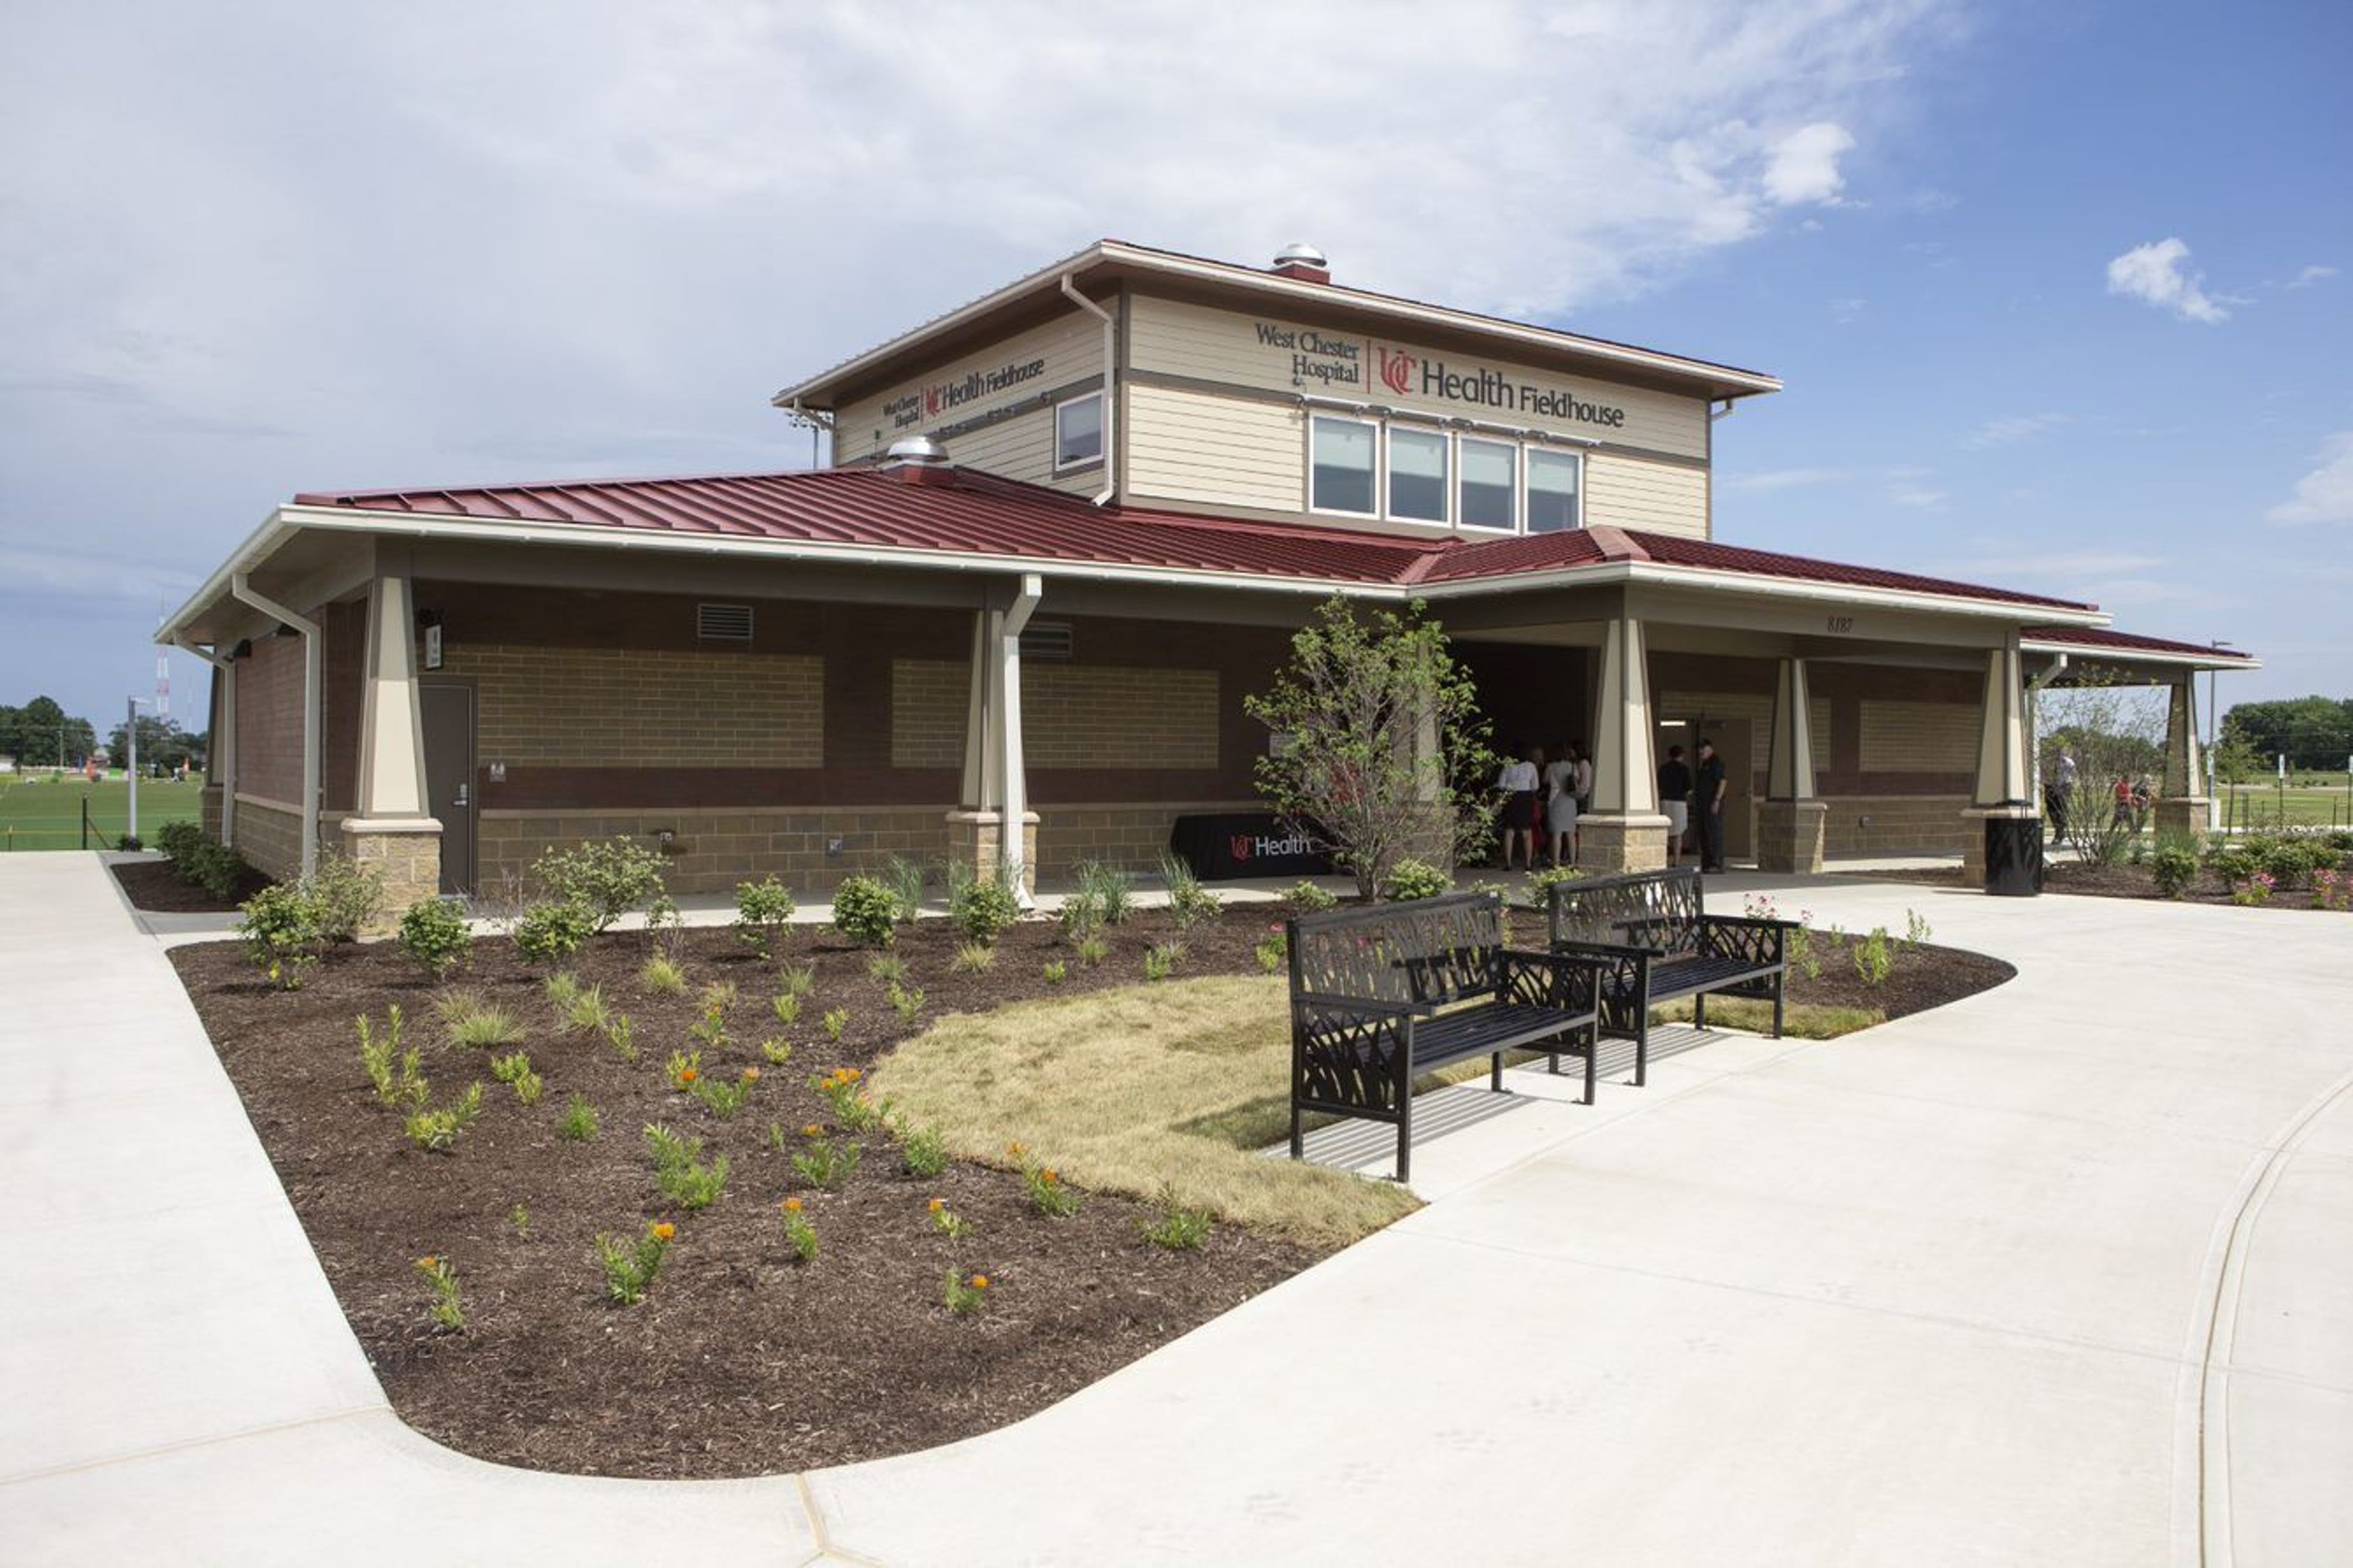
point(2114, 728)
point(1380, 752)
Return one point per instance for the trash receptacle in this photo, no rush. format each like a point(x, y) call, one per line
point(2013, 857)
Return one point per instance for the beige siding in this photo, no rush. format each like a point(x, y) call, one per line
point(1214, 451)
point(1020, 449)
point(1043, 358)
point(1622, 491)
point(1297, 355)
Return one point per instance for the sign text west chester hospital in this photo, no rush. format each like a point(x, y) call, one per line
point(1328, 361)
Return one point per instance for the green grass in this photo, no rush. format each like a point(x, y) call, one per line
point(1804, 1020)
point(1176, 1087)
point(40, 813)
point(2305, 804)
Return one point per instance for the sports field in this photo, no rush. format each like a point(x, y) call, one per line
point(41, 812)
point(2306, 804)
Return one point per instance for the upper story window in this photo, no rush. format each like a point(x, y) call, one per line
point(1553, 491)
point(1340, 465)
point(1412, 472)
point(1079, 431)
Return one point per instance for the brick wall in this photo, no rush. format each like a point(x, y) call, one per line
point(269, 718)
point(1102, 716)
point(1898, 825)
point(270, 834)
point(1132, 835)
point(714, 849)
point(930, 698)
point(1918, 737)
point(611, 706)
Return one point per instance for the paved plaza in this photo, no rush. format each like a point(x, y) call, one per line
point(2056, 1274)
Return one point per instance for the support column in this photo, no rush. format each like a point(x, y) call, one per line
point(996, 778)
point(2183, 811)
point(1790, 820)
point(2004, 785)
point(392, 831)
point(1625, 830)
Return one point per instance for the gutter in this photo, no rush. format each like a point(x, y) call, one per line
point(313, 688)
point(1111, 360)
point(2093, 655)
point(220, 758)
point(243, 559)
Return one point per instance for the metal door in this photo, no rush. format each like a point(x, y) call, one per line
point(450, 776)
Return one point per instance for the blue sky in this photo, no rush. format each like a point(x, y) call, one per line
point(2060, 294)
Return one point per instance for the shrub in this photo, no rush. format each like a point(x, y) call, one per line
point(1545, 878)
point(1309, 898)
point(630, 1270)
point(836, 1020)
point(1081, 916)
point(553, 930)
point(344, 895)
point(1410, 878)
point(2232, 862)
point(280, 932)
point(864, 911)
point(906, 1001)
point(981, 908)
point(763, 909)
point(434, 935)
point(1160, 959)
point(214, 866)
point(179, 840)
point(2174, 868)
point(725, 1100)
point(1271, 950)
point(606, 880)
point(1093, 950)
point(1189, 903)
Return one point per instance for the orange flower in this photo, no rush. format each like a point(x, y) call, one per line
point(1048, 1176)
point(980, 1281)
point(1015, 1150)
point(812, 1130)
point(663, 1230)
point(428, 1261)
point(751, 1075)
point(938, 1203)
point(792, 1205)
point(687, 1075)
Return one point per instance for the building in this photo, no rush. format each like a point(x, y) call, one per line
point(1067, 527)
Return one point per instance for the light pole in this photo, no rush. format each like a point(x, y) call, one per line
point(131, 745)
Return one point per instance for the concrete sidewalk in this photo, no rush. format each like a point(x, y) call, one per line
point(2057, 1274)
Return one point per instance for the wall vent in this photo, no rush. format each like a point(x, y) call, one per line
point(722, 623)
point(1046, 640)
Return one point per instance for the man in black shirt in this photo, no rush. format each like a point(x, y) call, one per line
point(1714, 784)
point(1674, 800)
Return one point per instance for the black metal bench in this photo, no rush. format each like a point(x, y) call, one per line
point(1657, 943)
point(1381, 995)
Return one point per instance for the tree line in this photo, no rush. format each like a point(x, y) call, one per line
point(42, 734)
point(2315, 732)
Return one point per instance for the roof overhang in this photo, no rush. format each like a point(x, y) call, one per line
point(822, 391)
point(2127, 655)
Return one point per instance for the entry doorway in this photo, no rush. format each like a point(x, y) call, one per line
point(1732, 743)
point(449, 710)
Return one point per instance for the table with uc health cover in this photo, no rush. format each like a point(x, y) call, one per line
point(1221, 846)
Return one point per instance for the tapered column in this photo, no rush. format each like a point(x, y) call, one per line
point(1790, 820)
point(993, 825)
point(393, 832)
point(1624, 831)
point(2003, 786)
point(2182, 808)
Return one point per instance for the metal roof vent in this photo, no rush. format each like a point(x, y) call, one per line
point(1301, 260)
point(722, 623)
point(916, 449)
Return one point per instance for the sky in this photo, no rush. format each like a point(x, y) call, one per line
point(2062, 294)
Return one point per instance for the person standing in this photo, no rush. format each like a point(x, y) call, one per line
point(1518, 783)
point(1715, 785)
point(1584, 765)
point(1560, 809)
point(2062, 793)
point(1674, 800)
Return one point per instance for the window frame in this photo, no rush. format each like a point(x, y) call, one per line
point(1575, 460)
point(1447, 468)
point(1527, 454)
point(1063, 466)
point(1515, 452)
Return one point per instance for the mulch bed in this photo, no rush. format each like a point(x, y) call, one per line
point(1921, 977)
point(739, 1361)
point(153, 886)
point(2124, 882)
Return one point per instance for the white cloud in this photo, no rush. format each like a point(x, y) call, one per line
point(2311, 275)
point(2013, 429)
point(2326, 494)
point(1804, 166)
point(1919, 496)
point(1788, 479)
point(2157, 274)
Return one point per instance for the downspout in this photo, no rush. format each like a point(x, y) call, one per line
point(2057, 668)
point(221, 758)
point(1015, 806)
point(1111, 359)
point(313, 692)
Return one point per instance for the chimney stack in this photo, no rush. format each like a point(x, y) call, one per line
point(1303, 261)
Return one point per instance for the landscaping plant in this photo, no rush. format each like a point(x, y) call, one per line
point(1189, 903)
point(580, 1120)
point(437, 1131)
point(435, 936)
point(662, 976)
point(1179, 1228)
point(947, 1221)
point(1409, 878)
point(799, 1235)
point(1272, 950)
point(477, 1024)
point(1056, 972)
point(725, 1100)
point(394, 1071)
point(965, 1297)
point(280, 932)
point(603, 881)
point(2174, 868)
point(824, 1162)
point(865, 912)
point(680, 1171)
point(973, 958)
point(763, 909)
point(628, 1270)
point(344, 896)
point(924, 1151)
point(441, 1279)
point(550, 932)
point(1311, 897)
point(1873, 960)
point(904, 877)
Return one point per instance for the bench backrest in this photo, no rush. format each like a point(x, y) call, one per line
point(1423, 952)
point(1657, 910)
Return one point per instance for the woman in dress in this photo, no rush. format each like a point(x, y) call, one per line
point(1560, 809)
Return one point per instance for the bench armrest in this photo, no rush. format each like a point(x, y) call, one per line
point(1568, 981)
point(1363, 1004)
point(1746, 937)
point(1603, 950)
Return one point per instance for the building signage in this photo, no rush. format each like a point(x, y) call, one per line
point(1320, 362)
point(927, 404)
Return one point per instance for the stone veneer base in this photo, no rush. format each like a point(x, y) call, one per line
point(1790, 835)
point(1609, 844)
point(407, 852)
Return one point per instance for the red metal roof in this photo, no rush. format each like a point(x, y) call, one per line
point(964, 511)
point(2125, 642)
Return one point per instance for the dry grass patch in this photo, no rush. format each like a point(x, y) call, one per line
point(1804, 1020)
point(1174, 1086)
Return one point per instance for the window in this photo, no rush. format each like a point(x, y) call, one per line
point(1079, 431)
point(1341, 465)
point(1417, 474)
point(1490, 485)
point(1552, 492)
